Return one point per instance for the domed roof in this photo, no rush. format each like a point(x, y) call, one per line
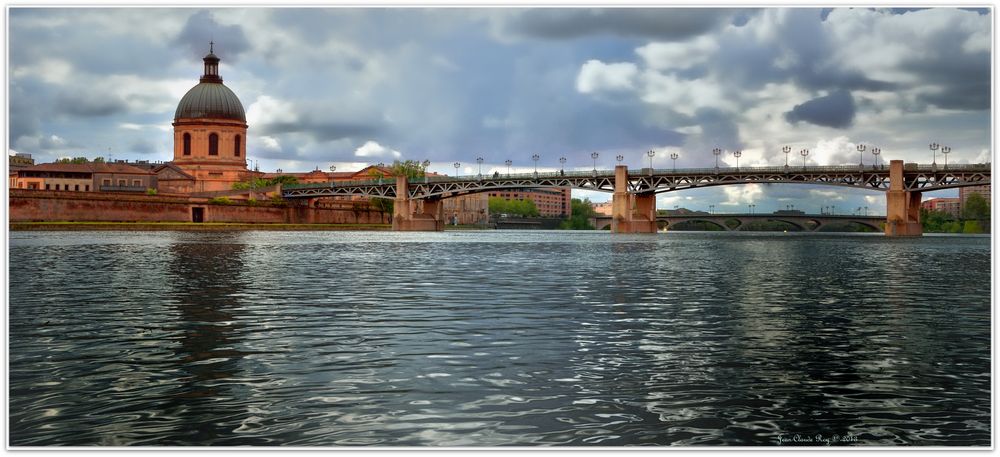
point(210, 100)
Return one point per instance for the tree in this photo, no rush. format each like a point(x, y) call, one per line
point(934, 221)
point(98, 159)
point(976, 207)
point(582, 212)
point(520, 208)
point(383, 205)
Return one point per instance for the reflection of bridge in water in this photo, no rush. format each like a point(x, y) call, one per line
point(417, 202)
point(741, 222)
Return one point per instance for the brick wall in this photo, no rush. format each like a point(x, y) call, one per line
point(39, 205)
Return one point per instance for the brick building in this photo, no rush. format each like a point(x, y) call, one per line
point(84, 177)
point(474, 208)
point(965, 192)
point(945, 205)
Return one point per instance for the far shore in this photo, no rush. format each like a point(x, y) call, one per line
point(186, 226)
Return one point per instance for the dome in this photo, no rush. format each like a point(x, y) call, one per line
point(210, 100)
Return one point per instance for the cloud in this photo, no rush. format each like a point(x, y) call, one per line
point(375, 150)
point(677, 55)
point(201, 28)
point(835, 110)
point(662, 23)
point(89, 104)
point(597, 76)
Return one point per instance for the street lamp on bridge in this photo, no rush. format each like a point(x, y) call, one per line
point(479, 160)
point(945, 150)
point(786, 150)
point(651, 153)
point(737, 153)
point(716, 153)
point(711, 209)
point(562, 165)
point(619, 158)
point(594, 155)
point(804, 153)
point(861, 152)
point(934, 147)
point(456, 168)
point(535, 158)
point(875, 153)
point(751, 206)
point(673, 156)
point(508, 162)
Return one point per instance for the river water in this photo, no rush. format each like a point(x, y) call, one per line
point(497, 338)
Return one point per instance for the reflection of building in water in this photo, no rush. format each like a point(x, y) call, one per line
point(204, 282)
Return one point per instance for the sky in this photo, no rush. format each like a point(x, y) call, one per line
point(352, 86)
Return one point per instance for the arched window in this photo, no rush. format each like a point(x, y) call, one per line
point(213, 145)
point(187, 144)
point(236, 149)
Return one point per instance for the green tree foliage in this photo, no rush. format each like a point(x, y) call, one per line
point(73, 160)
point(261, 182)
point(582, 211)
point(520, 208)
point(972, 226)
point(98, 159)
point(976, 208)
point(935, 221)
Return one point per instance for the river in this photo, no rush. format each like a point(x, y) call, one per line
point(497, 338)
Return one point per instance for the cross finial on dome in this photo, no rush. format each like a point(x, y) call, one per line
point(211, 47)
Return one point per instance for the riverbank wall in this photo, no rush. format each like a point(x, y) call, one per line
point(26, 205)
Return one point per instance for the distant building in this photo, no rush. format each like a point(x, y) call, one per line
point(474, 208)
point(951, 206)
point(84, 177)
point(19, 160)
point(965, 192)
point(603, 208)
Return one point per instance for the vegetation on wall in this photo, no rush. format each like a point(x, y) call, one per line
point(261, 182)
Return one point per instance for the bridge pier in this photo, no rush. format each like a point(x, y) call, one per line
point(902, 209)
point(623, 218)
point(408, 216)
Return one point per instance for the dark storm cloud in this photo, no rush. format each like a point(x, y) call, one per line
point(660, 23)
point(835, 110)
point(319, 129)
point(143, 147)
point(24, 115)
point(89, 104)
point(201, 28)
point(963, 79)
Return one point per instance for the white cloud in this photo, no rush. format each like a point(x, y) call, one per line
point(596, 76)
point(742, 195)
point(270, 110)
point(678, 56)
point(373, 149)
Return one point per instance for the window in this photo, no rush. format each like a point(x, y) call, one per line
point(213, 145)
point(136, 183)
point(187, 144)
point(106, 182)
point(86, 187)
point(236, 149)
point(47, 187)
point(121, 183)
point(57, 186)
point(76, 187)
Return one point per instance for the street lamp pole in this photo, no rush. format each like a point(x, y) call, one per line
point(737, 153)
point(934, 147)
point(804, 153)
point(619, 158)
point(535, 158)
point(508, 162)
point(711, 209)
point(673, 156)
point(861, 152)
point(594, 155)
point(716, 152)
point(479, 160)
point(945, 150)
point(456, 168)
point(786, 150)
point(650, 153)
point(876, 152)
point(562, 165)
